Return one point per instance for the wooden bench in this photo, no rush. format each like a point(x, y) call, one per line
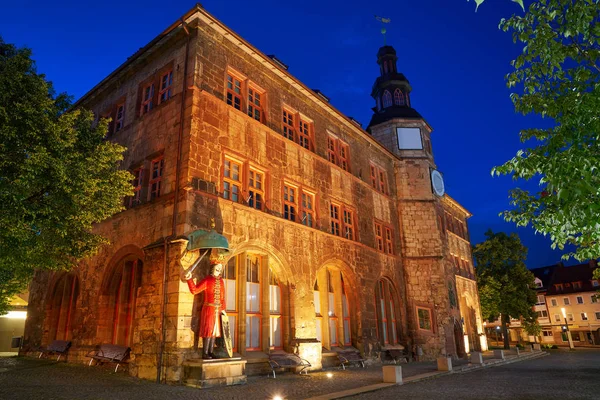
point(398, 354)
point(109, 353)
point(289, 361)
point(59, 347)
point(348, 357)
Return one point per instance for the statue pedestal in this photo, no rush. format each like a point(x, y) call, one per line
point(201, 373)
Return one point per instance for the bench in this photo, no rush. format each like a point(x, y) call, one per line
point(348, 357)
point(287, 360)
point(109, 353)
point(59, 347)
point(398, 354)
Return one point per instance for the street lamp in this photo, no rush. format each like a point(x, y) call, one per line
point(497, 330)
point(564, 313)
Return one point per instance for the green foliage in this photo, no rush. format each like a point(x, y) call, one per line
point(532, 328)
point(58, 175)
point(557, 76)
point(505, 284)
point(479, 2)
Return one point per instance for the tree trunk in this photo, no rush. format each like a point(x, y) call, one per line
point(505, 320)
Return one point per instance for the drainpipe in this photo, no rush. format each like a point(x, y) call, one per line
point(167, 240)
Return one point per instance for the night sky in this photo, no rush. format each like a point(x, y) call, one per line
point(454, 58)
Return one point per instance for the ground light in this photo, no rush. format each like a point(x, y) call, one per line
point(329, 375)
point(277, 398)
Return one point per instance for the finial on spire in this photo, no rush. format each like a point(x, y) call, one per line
point(383, 21)
point(212, 223)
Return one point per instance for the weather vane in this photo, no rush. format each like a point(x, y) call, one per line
point(383, 21)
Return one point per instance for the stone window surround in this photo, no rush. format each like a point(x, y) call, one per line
point(245, 167)
point(389, 295)
point(342, 209)
point(299, 120)
point(379, 178)
point(431, 320)
point(115, 125)
point(335, 154)
point(385, 229)
point(246, 86)
point(153, 82)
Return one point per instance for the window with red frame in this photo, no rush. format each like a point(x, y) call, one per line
point(124, 284)
point(290, 205)
point(389, 241)
point(382, 182)
point(256, 189)
point(138, 176)
point(119, 117)
point(331, 150)
point(156, 174)
point(234, 91)
point(253, 302)
point(304, 134)
point(232, 180)
point(344, 156)
point(379, 236)
point(289, 128)
point(147, 98)
point(378, 179)
point(336, 223)
point(308, 209)
point(255, 106)
point(166, 85)
point(337, 153)
point(374, 181)
point(386, 312)
point(348, 224)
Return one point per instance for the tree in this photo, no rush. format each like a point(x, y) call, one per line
point(58, 175)
point(505, 284)
point(557, 76)
point(479, 2)
point(532, 327)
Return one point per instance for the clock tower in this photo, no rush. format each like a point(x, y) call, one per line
point(418, 188)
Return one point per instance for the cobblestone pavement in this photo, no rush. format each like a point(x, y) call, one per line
point(561, 375)
point(30, 378)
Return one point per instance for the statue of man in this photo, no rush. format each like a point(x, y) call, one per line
point(212, 308)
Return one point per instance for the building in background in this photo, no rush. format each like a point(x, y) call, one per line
point(340, 236)
point(12, 324)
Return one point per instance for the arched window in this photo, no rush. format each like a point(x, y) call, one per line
point(386, 313)
point(333, 327)
point(123, 287)
point(385, 67)
point(398, 98)
point(378, 104)
point(387, 99)
point(231, 290)
point(62, 306)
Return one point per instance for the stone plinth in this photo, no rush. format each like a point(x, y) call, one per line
point(209, 373)
point(499, 354)
point(476, 358)
point(392, 374)
point(444, 364)
point(537, 347)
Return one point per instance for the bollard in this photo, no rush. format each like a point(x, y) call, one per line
point(499, 354)
point(518, 351)
point(444, 363)
point(476, 358)
point(392, 374)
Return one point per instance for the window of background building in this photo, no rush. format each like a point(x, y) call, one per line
point(566, 301)
point(579, 300)
point(584, 316)
point(289, 202)
point(554, 303)
point(557, 318)
point(541, 299)
point(570, 317)
point(424, 318)
point(597, 314)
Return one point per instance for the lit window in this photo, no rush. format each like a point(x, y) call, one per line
point(253, 301)
point(289, 203)
point(570, 317)
point(156, 172)
point(232, 180)
point(275, 337)
point(424, 316)
point(584, 316)
point(386, 312)
point(166, 86)
point(256, 189)
point(331, 312)
point(230, 283)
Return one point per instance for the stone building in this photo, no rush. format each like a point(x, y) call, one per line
point(338, 237)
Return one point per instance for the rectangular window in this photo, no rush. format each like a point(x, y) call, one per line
point(597, 314)
point(337, 153)
point(584, 316)
point(570, 317)
point(389, 247)
point(541, 299)
point(343, 156)
point(147, 98)
point(232, 180)
point(374, 181)
point(289, 128)
point(166, 87)
point(382, 183)
point(234, 91)
point(256, 192)
point(138, 176)
point(595, 283)
point(579, 300)
point(255, 106)
point(424, 316)
point(379, 236)
point(332, 150)
point(554, 303)
point(336, 223)
point(230, 281)
point(542, 314)
point(559, 287)
point(119, 117)
point(156, 174)
point(594, 298)
point(304, 134)
point(289, 202)
point(348, 224)
point(557, 318)
point(308, 209)
point(566, 301)
point(576, 285)
point(379, 179)
point(253, 300)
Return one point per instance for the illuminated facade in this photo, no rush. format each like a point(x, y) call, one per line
point(338, 238)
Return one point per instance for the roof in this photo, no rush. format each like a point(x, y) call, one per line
point(392, 112)
point(545, 275)
point(577, 273)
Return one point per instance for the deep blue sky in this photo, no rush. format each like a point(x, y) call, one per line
point(455, 59)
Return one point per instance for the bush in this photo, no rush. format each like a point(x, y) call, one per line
point(520, 346)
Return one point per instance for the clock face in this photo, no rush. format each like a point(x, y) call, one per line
point(437, 182)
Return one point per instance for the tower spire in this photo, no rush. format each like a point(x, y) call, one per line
point(383, 21)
